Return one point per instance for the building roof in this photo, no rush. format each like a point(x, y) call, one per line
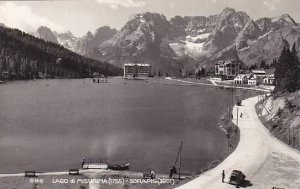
point(249, 75)
point(258, 71)
point(227, 63)
point(241, 76)
point(269, 76)
point(132, 64)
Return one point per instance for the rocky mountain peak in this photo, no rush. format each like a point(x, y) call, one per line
point(145, 26)
point(250, 32)
point(284, 20)
point(66, 35)
point(227, 11)
point(89, 43)
point(104, 29)
point(230, 16)
point(139, 39)
point(67, 39)
point(151, 38)
point(264, 24)
point(102, 34)
point(46, 34)
point(179, 21)
point(251, 28)
point(89, 35)
point(229, 24)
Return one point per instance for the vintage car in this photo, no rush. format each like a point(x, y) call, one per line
point(236, 177)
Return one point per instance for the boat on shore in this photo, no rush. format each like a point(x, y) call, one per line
point(120, 167)
point(2, 82)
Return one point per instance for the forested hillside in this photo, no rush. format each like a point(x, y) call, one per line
point(287, 71)
point(23, 56)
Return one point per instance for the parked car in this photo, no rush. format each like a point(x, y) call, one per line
point(237, 177)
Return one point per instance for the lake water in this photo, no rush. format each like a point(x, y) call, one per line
point(50, 125)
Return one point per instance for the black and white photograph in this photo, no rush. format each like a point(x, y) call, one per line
point(149, 94)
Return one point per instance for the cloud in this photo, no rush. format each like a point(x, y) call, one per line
point(23, 18)
point(269, 5)
point(115, 4)
point(272, 4)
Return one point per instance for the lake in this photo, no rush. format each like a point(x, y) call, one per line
point(50, 125)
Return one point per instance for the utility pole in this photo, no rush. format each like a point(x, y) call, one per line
point(289, 140)
point(232, 96)
point(231, 104)
point(292, 135)
point(228, 140)
point(180, 159)
point(292, 132)
point(237, 116)
point(299, 141)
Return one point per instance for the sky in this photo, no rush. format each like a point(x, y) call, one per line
point(81, 16)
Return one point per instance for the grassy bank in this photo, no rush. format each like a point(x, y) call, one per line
point(231, 131)
point(281, 115)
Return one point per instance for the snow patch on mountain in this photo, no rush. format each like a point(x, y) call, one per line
point(186, 47)
point(263, 36)
point(244, 49)
point(68, 40)
point(193, 49)
point(178, 49)
point(197, 38)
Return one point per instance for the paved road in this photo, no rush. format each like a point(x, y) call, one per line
point(266, 161)
point(225, 86)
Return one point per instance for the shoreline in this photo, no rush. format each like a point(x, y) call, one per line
point(213, 163)
point(225, 123)
point(266, 161)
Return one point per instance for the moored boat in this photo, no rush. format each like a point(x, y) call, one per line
point(119, 167)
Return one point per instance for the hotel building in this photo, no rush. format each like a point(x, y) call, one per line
point(136, 70)
point(227, 69)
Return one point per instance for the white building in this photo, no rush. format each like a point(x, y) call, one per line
point(136, 70)
point(269, 80)
point(252, 80)
point(258, 73)
point(241, 79)
point(229, 69)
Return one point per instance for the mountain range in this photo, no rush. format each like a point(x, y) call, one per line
point(23, 56)
point(186, 42)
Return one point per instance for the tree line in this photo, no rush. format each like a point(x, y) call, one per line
point(287, 71)
point(23, 56)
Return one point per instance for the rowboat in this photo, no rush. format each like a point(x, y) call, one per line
point(119, 167)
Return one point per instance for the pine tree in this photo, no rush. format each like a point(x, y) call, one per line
point(287, 71)
point(199, 74)
point(296, 68)
point(274, 63)
point(262, 64)
point(281, 68)
point(203, 72)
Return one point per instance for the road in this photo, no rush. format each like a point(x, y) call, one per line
point(213, 83)
point(266, 161)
